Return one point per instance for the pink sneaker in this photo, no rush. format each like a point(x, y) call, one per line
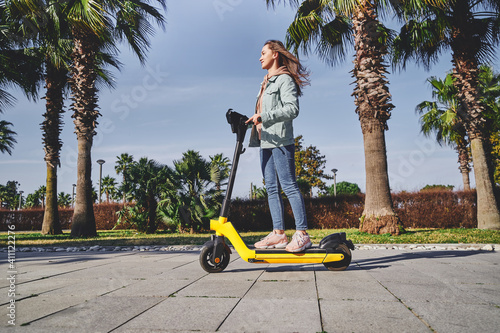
point(299, 242)
point(273, 240)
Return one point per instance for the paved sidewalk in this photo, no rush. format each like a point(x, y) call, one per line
point(399, 290)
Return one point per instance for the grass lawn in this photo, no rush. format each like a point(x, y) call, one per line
point(132, 237)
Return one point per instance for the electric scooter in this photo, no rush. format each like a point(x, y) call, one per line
point(333, 251)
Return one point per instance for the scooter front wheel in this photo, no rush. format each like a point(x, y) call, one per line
point(342, 264)
point(206, 260)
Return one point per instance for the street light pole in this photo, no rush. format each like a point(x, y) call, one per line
point(73, 196)
point(334, 182)
point(20, 198)
point(100, 162)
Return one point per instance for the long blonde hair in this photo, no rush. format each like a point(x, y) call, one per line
point(298, 72)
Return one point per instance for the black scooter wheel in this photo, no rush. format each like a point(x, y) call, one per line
point(206, 262)
point(342, 264)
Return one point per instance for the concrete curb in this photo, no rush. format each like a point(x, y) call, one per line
point(155, 248)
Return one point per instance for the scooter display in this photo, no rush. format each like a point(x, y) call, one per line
point(333, 251)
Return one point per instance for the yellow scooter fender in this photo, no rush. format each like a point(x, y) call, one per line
point(224, 228)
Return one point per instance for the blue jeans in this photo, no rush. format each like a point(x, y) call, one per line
point(278, 168)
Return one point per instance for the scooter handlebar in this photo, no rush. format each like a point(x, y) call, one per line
point(236, 120)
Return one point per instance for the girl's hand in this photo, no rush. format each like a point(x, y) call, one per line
point(255, 119)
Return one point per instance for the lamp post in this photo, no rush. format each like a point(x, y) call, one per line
point(334, 182)
point(100, 162)
point(73, 196)
point(20, 198)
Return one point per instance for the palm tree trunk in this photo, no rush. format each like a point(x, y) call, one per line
point(488, 216)
point(372, 99)
point(152, 226)
point(83, 223)
point(51, 224)
point(85, 118)
point(124, 194)
point(466, 180)
point(55, 81)
point(463, 161)
point(378, 215)
point(466, 76)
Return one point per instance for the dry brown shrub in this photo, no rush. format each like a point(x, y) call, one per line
point(436, 209)
point(427, 209)
point(424, 209)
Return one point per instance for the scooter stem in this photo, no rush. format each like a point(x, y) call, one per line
point(239, 127)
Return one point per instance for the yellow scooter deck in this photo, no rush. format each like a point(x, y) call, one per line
point(313, 255)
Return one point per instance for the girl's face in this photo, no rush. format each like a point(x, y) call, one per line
point(268, 57)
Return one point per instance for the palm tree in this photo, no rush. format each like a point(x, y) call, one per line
point(489, 86)
point(122, 163)
point(32, 200)
point(51, 127)
point(46, 34)
point(97, 24)
point(441, 117)
point(219, 169)
point(45, 29)
point(330, 26)
point(258, 193)
point(145, 181)
point(64, 199)
point(197, 200)
point(41, 192)
point(109, 186)
point(470, 30)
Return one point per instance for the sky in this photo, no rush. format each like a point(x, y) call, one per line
point(207, 61)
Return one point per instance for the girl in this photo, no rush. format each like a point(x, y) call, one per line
point(277, 105)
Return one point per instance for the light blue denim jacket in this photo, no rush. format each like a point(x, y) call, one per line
point(280, 105)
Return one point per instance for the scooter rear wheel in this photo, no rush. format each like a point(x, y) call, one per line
point(206, 262)
point(342, 264)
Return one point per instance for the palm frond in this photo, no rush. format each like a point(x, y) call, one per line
point(336, 37)
point(6, 100)
point(274, 3)
point(441, 116)
point(316, 23)
point(133, 24)
point(7, 139)
point(420, 41)
point(88, 15)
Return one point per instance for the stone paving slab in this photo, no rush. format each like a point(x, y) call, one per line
point(101, 314)
point(38, 307)
point(183, 313)
point(269, 314)
point(384, 290)
point(218, 289)
point(458, 317)
point(146, 288)
point(369, 316)
point(351, 287)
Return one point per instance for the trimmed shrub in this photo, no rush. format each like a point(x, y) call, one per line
point(423, 209)
point(32, 219)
